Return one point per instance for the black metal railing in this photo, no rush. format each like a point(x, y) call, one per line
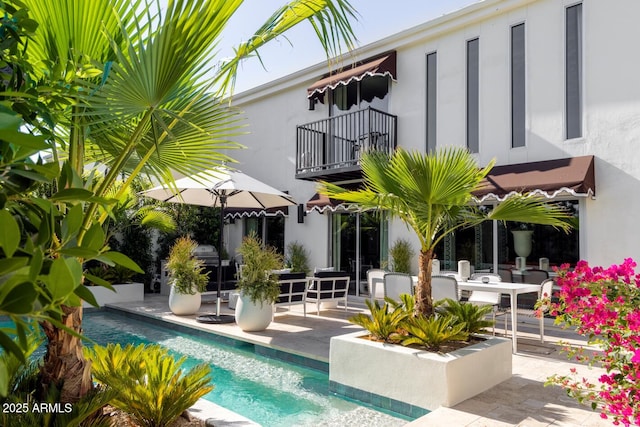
point(336, 143)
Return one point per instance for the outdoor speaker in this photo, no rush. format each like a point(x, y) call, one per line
point(301, 213)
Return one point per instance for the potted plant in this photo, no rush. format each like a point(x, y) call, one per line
point(259, 288)
point(186, 277)
point(401, 254)
point(112, 284)
point(297, 258)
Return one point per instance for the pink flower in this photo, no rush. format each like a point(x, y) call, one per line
point(603, 304)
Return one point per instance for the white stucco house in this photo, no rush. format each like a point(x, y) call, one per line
point(547, 88)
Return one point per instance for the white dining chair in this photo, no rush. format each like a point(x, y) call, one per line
point(488, 297)
point(546, 290)
point(375, 282)
point(444, 287)
point(396, 284)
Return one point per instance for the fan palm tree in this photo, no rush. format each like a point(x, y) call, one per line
point(433, 195)
point(134, 86)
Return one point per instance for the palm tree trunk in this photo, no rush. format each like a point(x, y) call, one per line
point(424, 302)
point(64, 364)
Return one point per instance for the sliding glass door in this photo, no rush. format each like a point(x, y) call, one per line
point(359, 242)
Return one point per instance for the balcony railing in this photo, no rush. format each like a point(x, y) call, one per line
point(331, 148)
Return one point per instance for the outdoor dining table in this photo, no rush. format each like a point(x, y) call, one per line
point(512, 289)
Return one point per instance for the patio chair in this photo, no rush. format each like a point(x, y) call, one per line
point(444, 287)
point(489, 298)
point(328, 287)
point(506, 275)
point(546, 289)
point(456, 276)
point(375, 282)
point(396, 284)
point(535, 276)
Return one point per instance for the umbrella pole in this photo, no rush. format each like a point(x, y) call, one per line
point(223, 201)
point(218, 318)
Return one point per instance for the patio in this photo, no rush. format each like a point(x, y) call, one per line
point(523, 400)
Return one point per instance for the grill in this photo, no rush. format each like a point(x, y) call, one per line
point(209, 256)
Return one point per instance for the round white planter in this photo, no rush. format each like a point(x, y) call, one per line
point(184, 304)
point(252, 317)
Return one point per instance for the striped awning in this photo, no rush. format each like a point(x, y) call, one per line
point(238, 213)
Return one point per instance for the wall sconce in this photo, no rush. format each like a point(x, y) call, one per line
point(301, 213)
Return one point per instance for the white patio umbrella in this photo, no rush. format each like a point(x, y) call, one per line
point(221, 188)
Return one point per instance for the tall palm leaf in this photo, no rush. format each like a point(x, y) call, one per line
point(432, 194)
point(137, 88)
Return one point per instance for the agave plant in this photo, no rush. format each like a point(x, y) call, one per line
point(149, 383)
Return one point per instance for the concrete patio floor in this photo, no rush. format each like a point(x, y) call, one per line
point(521, 401)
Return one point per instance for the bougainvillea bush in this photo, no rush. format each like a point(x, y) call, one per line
point(603, 304)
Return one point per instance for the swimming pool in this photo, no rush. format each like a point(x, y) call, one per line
point(267, 391)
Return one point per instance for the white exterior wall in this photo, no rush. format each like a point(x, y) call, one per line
point(611, 102)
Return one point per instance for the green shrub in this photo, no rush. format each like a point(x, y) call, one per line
point(149, 383)
point(401, 254)
point(297, 258)
point(184, 269)
point(257, 282)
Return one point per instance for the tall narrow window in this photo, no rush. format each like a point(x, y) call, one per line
point(573, 71)
point(473, 92)
point(431, 101)
point(518, 94)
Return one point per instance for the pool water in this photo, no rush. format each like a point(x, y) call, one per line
point(267, 391)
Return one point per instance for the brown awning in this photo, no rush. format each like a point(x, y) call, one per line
point(384, 65)
point(320, 202)
point(574, 176)
point(238, 213)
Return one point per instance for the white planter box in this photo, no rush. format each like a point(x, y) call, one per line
point(417, 377)
point(126, 292)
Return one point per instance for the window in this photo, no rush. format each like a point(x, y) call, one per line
point(270, 229)
point(573, 71)
point(473, 92)
point(369, 92)
point(476, 244)
point(431, 100)
point(518, 92)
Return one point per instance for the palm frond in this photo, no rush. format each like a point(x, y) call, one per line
point(533, 209)
point(330, 20)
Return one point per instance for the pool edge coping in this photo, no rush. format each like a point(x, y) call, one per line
point(305, 360)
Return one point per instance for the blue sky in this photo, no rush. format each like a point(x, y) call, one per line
point(377, 19)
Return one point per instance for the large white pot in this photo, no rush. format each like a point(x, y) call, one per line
point(522, 242)
point(184, 304)
point(252, 317)
point(428, 380)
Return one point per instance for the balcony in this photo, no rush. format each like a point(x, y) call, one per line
point(330, 149)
